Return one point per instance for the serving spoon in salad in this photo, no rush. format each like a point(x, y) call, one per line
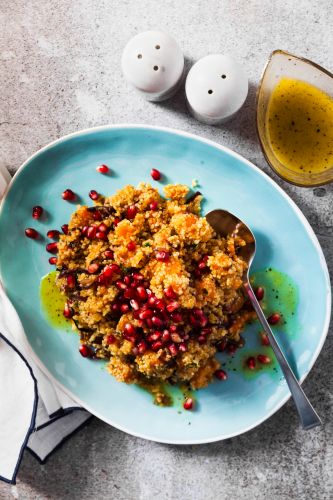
point(225, 223)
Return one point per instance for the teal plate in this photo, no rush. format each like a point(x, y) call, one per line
point(285, 242)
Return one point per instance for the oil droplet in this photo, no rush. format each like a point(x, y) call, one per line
point(52, 302)
point(281, 295)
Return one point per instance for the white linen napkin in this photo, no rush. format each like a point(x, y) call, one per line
point(34, 413)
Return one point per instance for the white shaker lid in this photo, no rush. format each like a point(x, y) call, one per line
point(216, 88)
point(153, 62)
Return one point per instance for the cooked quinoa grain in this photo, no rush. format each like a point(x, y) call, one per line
point(151, 287)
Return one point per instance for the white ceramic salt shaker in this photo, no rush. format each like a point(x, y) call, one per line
point(216, 88)
point(154, 64)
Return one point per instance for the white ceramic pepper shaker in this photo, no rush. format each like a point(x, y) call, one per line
point(216, 88)
point(154, 64)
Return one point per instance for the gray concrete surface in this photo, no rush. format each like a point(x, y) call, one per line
point(60, 72)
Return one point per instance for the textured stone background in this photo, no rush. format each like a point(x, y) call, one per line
point(60, 72)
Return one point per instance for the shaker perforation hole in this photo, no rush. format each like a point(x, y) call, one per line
point(210, 91)
point(139, 56)
point(224, 76)
point(157, 47)
point(155, 68)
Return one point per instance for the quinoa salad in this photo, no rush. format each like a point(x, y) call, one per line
point(151, 288)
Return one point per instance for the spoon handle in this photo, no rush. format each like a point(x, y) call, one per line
point(307, 414)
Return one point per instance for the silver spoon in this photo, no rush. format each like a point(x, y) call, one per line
point(225, 223)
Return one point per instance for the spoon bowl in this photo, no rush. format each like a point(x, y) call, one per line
point(226, 224)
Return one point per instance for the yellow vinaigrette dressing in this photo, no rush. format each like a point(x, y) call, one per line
point(300, 126)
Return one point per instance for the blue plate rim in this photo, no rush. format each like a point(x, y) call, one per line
point(310, 232)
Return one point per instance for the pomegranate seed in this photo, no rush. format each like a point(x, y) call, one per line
point(141, 291)
point(142, 347)
point(84, 230)
point(37, 212)
point(152, 300)
point(31, 233)
point(130, 329)
point(127, 280)
point(156, 174)
point(53, 234)
point(206, 331)
point(52, 247)
point(203, 262)
point(107, 272)
point(173, 328)
point(93, 268)
point(177, 317)
point(160, 304)
point(259, 292)
point(170, 293)
point(157, 322)
point(134, 305)
point(116, 221)
point(264, 339)
point(108, 254)
point(130, 338)
point(172, 306)
point(175, 337)
point(221, 346)
point(53, 260)
point(68, 195)
point(202, 318)
point(101, 279)
point(162, 256)
point(182, 347)
point(149, 322)
point(102, 169)
point(68, 312)
point(84, 351)
point(202, 339)
point(64, 228)
point(129, 293)
point(274, 318)
point(97, 215)
point(101, 235)
point(231, 349)
point(131, 246)
point(221, 374)
point(131, 212)
point(93, 195)
point(156, 345)
point(153, 205)
point(166, 336)
point(251, 362)
point(173, 349)
point(71, 281)
point(263, 359)
point(91, 232)
point(120, 284)
point(103, 228)
point(124, 308)
point(147, 313)
point(116, 307)
point(154, 336)
point(110, 339)
point(188, 404)
point(138, 276)
point(115, 268)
